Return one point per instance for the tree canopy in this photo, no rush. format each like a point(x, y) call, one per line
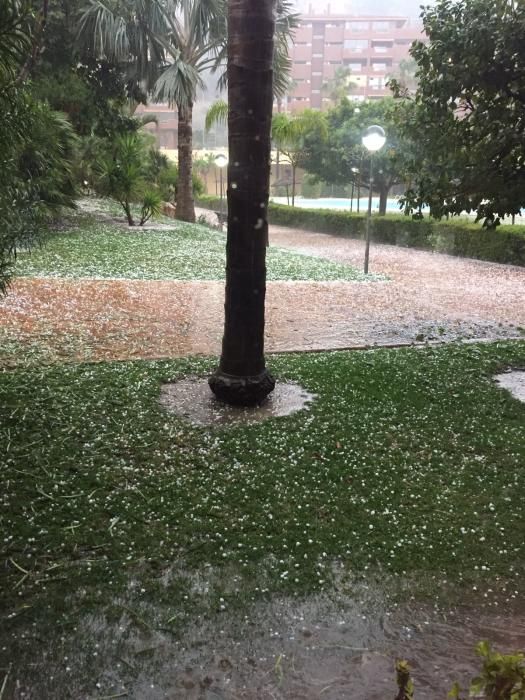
point(341, 159)
point(470, 110)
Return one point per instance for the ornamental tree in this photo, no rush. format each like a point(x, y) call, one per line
point(469, 115)
point(340, 159)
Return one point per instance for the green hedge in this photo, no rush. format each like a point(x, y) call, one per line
point(505, 244)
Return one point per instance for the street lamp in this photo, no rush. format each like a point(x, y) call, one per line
point(373, 140)
point(355, 171)
point(221, 161)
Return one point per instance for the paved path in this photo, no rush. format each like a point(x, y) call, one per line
point(429, 297)
point(438, 293)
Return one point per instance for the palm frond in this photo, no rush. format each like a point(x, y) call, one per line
point(217, 114)
point(105, 30)
point(15, 39)
point(205, 19)
point(178, 84)
point(282, 70)
point(286, 22)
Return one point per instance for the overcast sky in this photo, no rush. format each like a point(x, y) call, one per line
point(408, 8)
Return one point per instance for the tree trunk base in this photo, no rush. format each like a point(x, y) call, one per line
point(241, 391)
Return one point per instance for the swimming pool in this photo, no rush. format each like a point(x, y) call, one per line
point(336, 203)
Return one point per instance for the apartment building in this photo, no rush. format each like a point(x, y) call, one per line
point(370, 46)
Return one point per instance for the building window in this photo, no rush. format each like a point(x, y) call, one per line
point(317, 55)
point(355, 67)
point(381, 48)
point(357, 26)
point(380, 26)
point(356, 44)
point(380, 67)
point(377, 83)
point(363, 62)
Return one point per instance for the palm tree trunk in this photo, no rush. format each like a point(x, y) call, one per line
point(293, 184)
point(185, 210)
point(242, 377)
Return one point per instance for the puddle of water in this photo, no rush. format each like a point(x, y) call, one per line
point(513, 381)
point(193, 399)
point(322, 648)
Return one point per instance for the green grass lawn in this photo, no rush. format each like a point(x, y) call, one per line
point(96, 249)
point(409, 463)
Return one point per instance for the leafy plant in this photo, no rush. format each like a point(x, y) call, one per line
point(470, 110)
point(37, 147)
point(502, 676)
point(121, 173)
point(404, 682)
point(15, 38)
point(151, 206)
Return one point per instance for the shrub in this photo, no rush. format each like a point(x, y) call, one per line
point(168, 183)
point(311, 188)
point(151, 206)
point(120, 173)
point(502, 677)
point(505, 244)
point(37, 149)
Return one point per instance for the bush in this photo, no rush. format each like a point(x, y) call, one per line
point(37, 149)
point(505, 244)
point(168, 183)
point(120, 173)
point(311, 188)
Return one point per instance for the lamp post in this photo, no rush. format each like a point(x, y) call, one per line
point(355, 171)
point(221, 161)
point(373, 140)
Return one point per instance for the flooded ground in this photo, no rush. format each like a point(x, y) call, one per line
point(336, 646)
point(193, 399)
point(127, 319)
point(329, 648)
point(429, 298)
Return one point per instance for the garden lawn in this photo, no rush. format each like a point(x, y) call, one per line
point(408, 463)
point(98, 249)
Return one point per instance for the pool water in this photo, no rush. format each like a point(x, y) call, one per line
point(336, 203)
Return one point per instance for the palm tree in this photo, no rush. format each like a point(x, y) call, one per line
point(289, 134)
point(168, 44)
point(286, 22)
point(242, 377)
